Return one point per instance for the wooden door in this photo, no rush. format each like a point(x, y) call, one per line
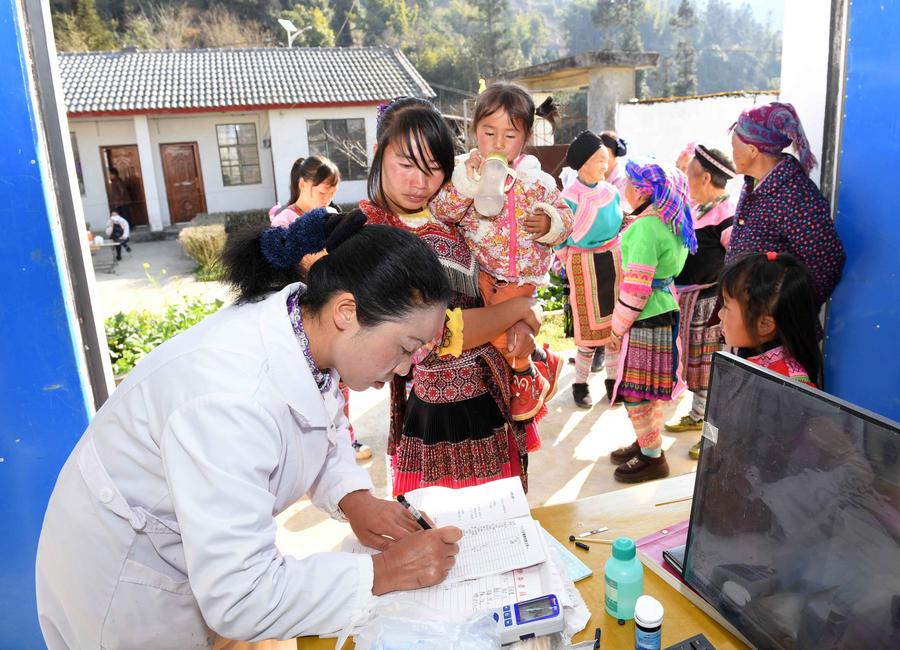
point(125, 160)
point(184, 182)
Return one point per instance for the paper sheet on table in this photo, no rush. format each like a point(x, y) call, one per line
point(497, 547)
point(488, 549)
point(493, 501)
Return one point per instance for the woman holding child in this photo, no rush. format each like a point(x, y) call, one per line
point(452, 426)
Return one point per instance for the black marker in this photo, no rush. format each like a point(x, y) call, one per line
point(582, 545)
point(415, 513)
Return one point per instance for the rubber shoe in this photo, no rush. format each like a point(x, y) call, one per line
point(694, 452)
point(686, 423)
point(642, 468)
point(363, 452)
point(549, 370)
point(581, 393)
point(529, 390)
point(624, 454)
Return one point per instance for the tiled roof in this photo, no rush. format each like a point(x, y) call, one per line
point(151, 81)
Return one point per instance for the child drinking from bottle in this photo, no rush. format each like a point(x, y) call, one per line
point(515, 247)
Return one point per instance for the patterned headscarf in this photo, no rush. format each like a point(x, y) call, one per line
point(669, 192)
point(772, 127)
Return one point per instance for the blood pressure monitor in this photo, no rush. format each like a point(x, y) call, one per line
point(528, 619)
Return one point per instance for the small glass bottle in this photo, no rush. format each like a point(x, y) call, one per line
point(648, 618)
point(624, 577)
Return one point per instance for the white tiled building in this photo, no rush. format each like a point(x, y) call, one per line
point(194, 131)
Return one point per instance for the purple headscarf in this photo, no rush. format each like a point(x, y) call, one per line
point(772, 127)
point(669, 192)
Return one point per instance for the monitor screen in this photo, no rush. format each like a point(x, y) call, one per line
point(795, 524)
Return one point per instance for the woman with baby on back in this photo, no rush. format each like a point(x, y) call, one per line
point(514, 246)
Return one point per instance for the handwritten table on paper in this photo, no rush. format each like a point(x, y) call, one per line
point(497, 547)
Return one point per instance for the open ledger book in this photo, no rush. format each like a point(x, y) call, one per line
point(502, 555)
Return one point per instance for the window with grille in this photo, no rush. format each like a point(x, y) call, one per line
point(238, 154)
point(342, 141)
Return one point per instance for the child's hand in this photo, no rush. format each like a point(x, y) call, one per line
point(615, 341)
point(537, 223)
point(473, 164)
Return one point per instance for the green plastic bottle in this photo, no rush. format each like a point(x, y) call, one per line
point(624, 577)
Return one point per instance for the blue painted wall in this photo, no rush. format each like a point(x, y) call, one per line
point(862, 351)
point(43, 401)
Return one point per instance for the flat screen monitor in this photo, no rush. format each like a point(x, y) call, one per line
point(795, 524)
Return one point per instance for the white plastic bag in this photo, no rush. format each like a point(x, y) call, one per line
point(392, 629)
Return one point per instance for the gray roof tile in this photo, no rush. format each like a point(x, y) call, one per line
point(161, 80)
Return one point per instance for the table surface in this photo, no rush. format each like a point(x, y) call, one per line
point(631, 512)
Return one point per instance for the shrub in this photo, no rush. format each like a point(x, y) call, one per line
point(235, 220)
point(132, 335)
point(551, 297)
point(205, 245)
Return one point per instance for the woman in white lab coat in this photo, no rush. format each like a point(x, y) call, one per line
point(160, 532)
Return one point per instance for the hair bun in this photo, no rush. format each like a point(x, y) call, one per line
point(340, 227)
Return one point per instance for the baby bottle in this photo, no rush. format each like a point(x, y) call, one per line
point(490, 195)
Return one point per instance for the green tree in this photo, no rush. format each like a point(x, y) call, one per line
point(83, 29)
point(492, 46)
point(344, 22)
point(624, 19)
point(385, 22)
point(683, 23)
point(315, 20)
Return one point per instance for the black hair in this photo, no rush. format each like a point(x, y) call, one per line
point(717, 177)
point(315, 170)
point(616, 145)
point(405, 121)
point(517, 103)
point(389, 271)
point(781, 287)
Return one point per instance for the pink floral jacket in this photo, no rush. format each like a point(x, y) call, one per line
point(501, 245)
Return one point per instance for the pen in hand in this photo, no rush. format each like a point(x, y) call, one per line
point(415, 513)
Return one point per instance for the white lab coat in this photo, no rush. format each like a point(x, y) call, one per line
point(160, 532)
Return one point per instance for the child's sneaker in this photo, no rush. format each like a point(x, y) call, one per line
point(363, 452)
point(548, 367)
point(529, 390)
point(686, 423)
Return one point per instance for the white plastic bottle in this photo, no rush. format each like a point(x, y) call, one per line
point(648, 618)
point(490, 196)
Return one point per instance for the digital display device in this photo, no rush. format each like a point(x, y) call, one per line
point(795, 523)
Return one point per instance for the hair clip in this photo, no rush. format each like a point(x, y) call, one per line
point(771, 256)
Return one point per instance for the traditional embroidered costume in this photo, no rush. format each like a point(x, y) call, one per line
point(453, 427)
point(778, 360)
point(654, 249)
point(785, 211)
point(592, 259)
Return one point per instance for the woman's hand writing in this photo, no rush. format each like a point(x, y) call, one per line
point(421, 559)
point(375, 522)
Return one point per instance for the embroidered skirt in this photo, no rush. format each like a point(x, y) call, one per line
point(700, 340)
point(593, 289)
point(649, 362)
point(454, 432)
